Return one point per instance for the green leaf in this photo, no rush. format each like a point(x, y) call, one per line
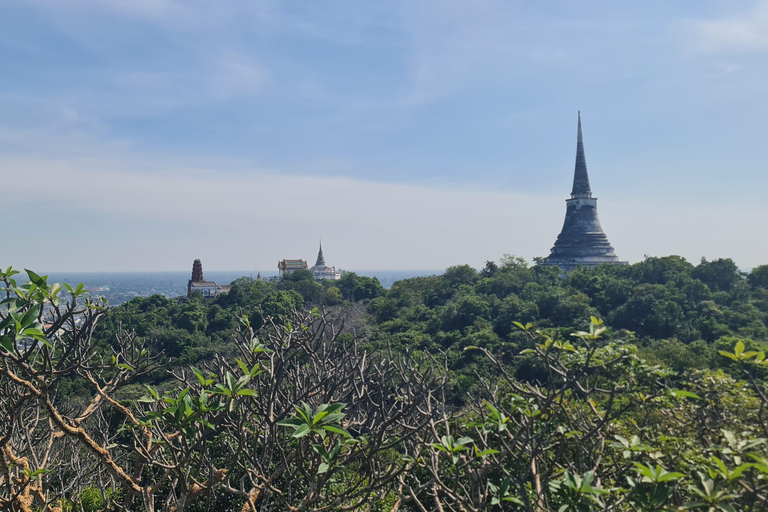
point(152, 391)
point(6, 322)
point(302, 430)
point(462, 441)
point(337, 430)
point(243, 367)
point(666, 477)
point(290, 422)
point(198, 374)
point(323, 468)
point(36, 334)
point(321, 451)
point(39, 281)
point(6, 343)
point(30, 316)
point(685, 394)
point(304, 411)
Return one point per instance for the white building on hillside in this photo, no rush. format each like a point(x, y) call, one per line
point(322, 271)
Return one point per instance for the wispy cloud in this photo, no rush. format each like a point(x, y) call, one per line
point(267, 214)
point(739, 33)
point(172, 214)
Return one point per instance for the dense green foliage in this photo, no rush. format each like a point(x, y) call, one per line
point(498, 389)
point(678, 312)
point(194, 328)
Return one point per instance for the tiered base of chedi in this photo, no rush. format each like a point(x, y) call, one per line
point(582, 241)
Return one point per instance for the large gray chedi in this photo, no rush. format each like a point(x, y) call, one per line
point(582, 241)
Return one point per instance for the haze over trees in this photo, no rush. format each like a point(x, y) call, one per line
point(628, 388)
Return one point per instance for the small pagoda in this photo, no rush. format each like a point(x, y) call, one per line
point(321, 271)
point(206, 288)
point(582, 241)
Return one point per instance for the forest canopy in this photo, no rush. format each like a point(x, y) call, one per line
point(628, 388)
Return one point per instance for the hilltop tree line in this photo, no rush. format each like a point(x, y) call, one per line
point(690, 307)
point(635, 388)
point(678, 313)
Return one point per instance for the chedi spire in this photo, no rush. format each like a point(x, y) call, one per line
point(320, 259)
point(581, 186)
point(582, 241)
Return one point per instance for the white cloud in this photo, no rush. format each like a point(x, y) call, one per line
point(161, 219)
point(743, 32)
point(257, 218)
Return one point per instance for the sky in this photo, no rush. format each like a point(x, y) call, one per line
point(138, 135)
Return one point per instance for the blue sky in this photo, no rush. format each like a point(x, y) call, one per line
point(141, 134)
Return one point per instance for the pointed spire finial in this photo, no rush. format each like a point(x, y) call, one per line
point(580, 138)
point(581, 186)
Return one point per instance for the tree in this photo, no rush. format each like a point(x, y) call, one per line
point(490, 269)
point(758, 278)
point(604, 430)
point(460, 274)
point(301, 274)
point(281, 304)
point(301, 420)
point(50, 447)
point(304, 419)
point(719, 275)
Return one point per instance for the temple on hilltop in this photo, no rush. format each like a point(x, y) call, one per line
point(582, 241)
point(199, 284)
point(321, 271)
point(287, 267)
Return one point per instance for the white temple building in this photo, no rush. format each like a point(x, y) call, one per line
point(321, 271)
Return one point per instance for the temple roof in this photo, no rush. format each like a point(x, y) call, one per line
point(291, 264)
point(581, 186)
